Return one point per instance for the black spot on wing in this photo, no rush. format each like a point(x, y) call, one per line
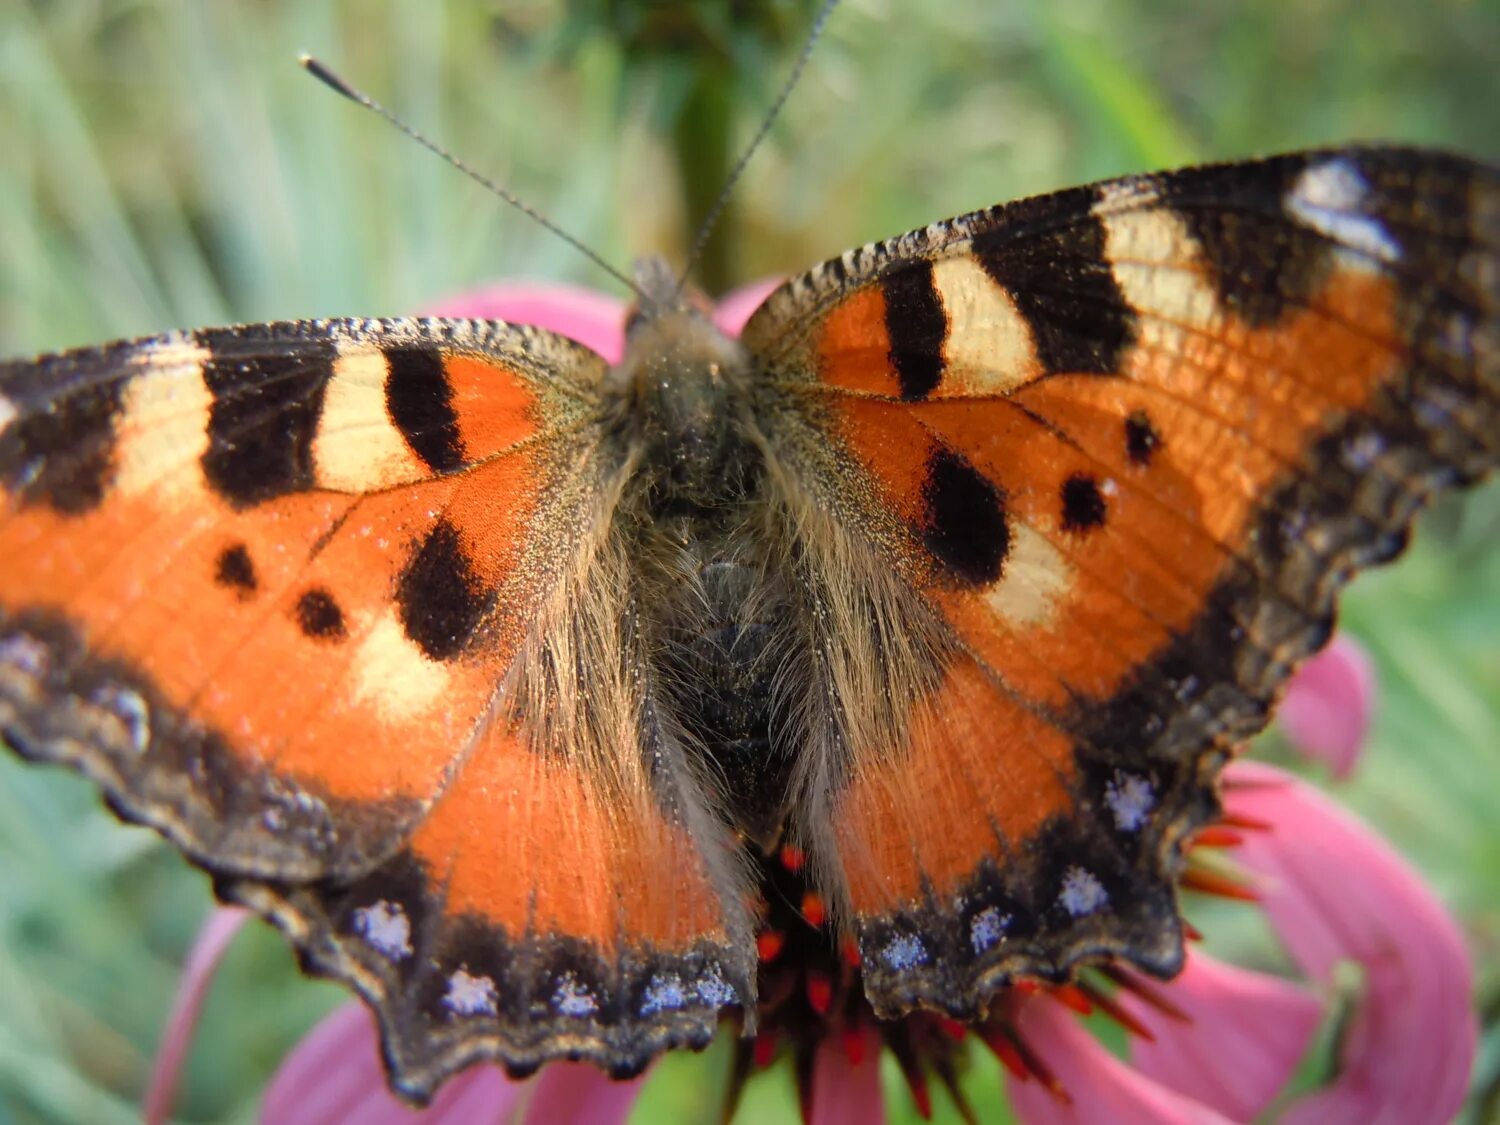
point(1053, 265)
point(964, 523)
point(264, 415)
point(1262, 263)
point(63, 455)
point(916, 325)
point(1083, 507)
point(319, 616)
point(440, 597)
point(1141, 438)
point(421, 405)
point(236, 570)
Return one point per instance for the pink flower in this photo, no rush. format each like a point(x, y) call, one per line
point(845, 1085)
point(213, 941)
point(1328, 706)
point(1217, 1044)
point(1336, 893)
point(335, 1075)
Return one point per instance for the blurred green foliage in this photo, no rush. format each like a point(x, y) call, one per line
point(164, 163)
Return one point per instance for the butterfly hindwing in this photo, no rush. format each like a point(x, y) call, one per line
point(1125, 443)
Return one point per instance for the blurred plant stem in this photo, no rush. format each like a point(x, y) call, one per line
point(711, 67)
point(701, 145)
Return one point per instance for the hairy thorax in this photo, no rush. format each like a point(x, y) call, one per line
point(697, 523)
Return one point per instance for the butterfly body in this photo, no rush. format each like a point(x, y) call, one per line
point(504, 679)
point(692, 515)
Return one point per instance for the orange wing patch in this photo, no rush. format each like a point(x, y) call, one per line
point(1175, 453)
point(854, 345)
point(989, 864)
point(895, 850)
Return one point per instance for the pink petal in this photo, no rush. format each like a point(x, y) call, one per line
point(734, 310)
point(1328, 704)
point(1246, 1036)
point(1102, 1088)
point(478, 1095)
point(335, 1075)
point(593, 319)
point(1335, 892)
point(208, 950)
point(579, 1092)
point(845, 1092)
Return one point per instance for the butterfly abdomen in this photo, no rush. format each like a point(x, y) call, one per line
point(722, 667)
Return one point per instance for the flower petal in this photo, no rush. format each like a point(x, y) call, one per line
point(334, 1074)
point(1100, 1086)
point(593, 319)
point(846, 1090)
point(208, 950)
point(1335, 892)
point(1328, 705)
point(567, 1091)
point(735, 308)
point(1245, 1035)
point(480, 1095)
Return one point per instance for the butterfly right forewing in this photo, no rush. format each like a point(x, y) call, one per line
point(1122, 445)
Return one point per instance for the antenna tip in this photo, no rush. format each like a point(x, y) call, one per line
point(326, 76)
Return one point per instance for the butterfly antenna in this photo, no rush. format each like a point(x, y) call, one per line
point(337, 84)
point(706, 229)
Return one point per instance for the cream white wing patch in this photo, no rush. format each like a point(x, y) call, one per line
point(1154, 261)
point(393, 675)
point(163, 429)
point(1037, 577)
point(358, 447)
point(994, 354)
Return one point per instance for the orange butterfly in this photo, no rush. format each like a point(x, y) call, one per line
point(499, 677)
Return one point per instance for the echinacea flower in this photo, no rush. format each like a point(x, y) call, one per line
point(1327, 708)
point(1216, 1044)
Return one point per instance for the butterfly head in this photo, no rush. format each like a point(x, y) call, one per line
point(680, 379)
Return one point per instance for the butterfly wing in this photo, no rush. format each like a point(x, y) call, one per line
point(1123, 444)
point(310, 599)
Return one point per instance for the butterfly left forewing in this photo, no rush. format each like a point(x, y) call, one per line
point(317, 601)
point(229, 564)
point(1124, 444)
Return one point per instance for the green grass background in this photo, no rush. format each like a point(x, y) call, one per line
point(164, 163)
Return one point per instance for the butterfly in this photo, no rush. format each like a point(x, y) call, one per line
point(526, 692)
